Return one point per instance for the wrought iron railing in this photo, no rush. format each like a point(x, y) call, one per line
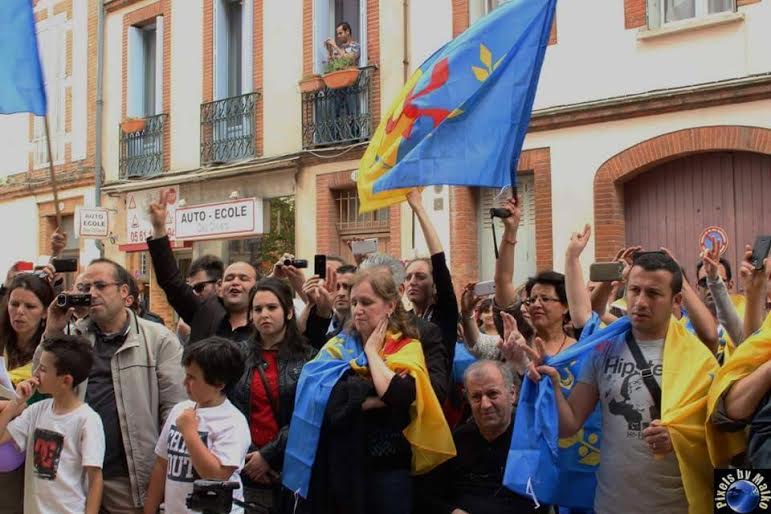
point(338, 116)
point(141, 150)
point(228, 129)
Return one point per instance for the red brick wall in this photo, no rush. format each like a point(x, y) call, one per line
point(258, 70)
point(635, 14)
point(609, 225)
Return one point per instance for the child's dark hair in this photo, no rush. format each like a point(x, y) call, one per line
point(220, 360)
point(74, 356)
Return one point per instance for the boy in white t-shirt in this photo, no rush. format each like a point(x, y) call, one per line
point(206, 437)
point(62, 436)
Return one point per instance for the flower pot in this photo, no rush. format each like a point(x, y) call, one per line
point(341, 78)
point(311, 84)
point(133, 125)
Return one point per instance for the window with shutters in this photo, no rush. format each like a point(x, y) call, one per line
point(663, 12)
point(525, 263)
point(52, 41)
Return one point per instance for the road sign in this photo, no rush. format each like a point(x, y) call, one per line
point(233, 218)
point(92, 222)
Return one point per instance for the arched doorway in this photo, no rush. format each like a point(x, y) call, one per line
point(611, 177)
point(671, 204)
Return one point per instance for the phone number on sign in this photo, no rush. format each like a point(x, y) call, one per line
point(140, 236)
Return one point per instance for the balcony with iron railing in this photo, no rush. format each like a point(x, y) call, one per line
point(332, 117)
point(228, 129)
point(141, 147)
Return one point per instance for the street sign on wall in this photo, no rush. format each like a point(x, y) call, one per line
point(233, 218)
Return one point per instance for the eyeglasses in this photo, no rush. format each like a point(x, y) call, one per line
point(200, 286)
point(100, 286)
point(545, 300)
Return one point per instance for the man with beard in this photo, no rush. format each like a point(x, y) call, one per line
point(224, 315)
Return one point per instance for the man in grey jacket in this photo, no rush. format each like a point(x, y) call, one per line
point(136, 379)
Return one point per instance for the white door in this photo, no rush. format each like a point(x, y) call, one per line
point(525, 264)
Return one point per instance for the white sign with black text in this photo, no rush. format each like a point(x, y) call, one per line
point(216, 220)
point(93, 222)
point(138, 226)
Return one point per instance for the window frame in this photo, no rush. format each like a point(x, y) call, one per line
point(656, 13)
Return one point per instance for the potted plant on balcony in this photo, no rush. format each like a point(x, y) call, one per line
point(340, 73)
point(130, 125)
point(311, 82)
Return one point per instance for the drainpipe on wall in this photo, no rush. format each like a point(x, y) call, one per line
point(406, 40)
point(99, 110)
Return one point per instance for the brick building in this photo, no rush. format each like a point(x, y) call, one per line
point(67, 42)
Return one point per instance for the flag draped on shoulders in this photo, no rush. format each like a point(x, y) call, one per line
point(751, 354)
point(462, 116)
point(688, 371)
point(21, 77)
point(428, 433)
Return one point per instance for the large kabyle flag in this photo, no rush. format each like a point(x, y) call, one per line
point(21, 78)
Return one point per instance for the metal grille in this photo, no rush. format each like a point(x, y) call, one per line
point(349, 218)
point(228, 129)
point(141, 152)
point(338, 116)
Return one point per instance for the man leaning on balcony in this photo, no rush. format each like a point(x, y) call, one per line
point(343, 46)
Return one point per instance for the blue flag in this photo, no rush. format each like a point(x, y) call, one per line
point(540, 465)
point(21, 77)
point(463, 115)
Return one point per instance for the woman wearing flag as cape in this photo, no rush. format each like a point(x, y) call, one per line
point(366, 417)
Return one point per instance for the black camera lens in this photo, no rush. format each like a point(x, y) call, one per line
point(287, 262)
point(61, 300)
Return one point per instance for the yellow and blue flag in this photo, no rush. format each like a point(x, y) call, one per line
point(21, 77)
point(462, 116)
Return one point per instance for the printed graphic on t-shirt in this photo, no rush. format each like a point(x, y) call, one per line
point(180, 468)
point(629, 396)
point(47, 450)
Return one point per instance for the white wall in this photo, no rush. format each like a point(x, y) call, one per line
point(14, 143)
point(23, 231)
point(577, 153)
point(186, 83)
point(282, 43)
point(113, 88)
point(598, 58)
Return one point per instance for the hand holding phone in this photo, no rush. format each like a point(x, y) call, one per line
point(606, 271)
point(486, 288)
point(320, 266)
point(760, 251)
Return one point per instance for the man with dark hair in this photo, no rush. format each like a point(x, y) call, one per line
point(205, 275)
point(471, 481)
point(135, 303)
point(637, 444)
point(328, 310)
point(343, 46)
point(135, 381)
point(224, 314)
point(713, 286)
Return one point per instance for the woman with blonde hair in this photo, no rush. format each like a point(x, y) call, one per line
point(365, 415)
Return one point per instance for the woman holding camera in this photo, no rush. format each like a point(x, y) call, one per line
point(275, 356)
point(22, 323)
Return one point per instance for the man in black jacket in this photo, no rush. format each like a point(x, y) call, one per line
point(224, 315)
point(472, 482)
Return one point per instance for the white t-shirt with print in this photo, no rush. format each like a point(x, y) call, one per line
point(225, 433)
point(630, 479)
point(58, 447)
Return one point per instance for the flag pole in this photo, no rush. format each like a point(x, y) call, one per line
point(53, 176)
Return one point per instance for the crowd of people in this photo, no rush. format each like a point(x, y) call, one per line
point(375, 389)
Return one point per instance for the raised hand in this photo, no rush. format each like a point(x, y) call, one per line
point(711, 259)
point(578, 242)
point(26, 389)
point(157, 212)
point(513, 344)
point(415, 199)
point(512, 222)
point(58, 241)
point(468, 299)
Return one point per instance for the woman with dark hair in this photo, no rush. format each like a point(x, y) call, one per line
point(275, 356)
point(22, 323)
point(382, 422)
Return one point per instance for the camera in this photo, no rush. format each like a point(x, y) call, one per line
point(211, 497)
point(297, 263)
point(66, 300)
point(499, 213)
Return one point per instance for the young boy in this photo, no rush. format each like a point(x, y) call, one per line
point(63, 437)
point(206, 437)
